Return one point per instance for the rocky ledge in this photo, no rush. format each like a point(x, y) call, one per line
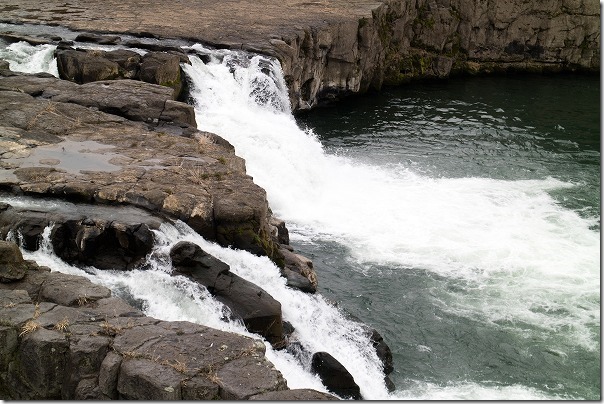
point(129, 142)
point(64, 337)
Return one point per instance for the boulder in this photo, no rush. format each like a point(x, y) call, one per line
point(12, 266)
point(128, 62)
point(298, 270)
point(85, 66)
point(164, 69)
point(258, 310)
point(335, 376)
point(382, 350)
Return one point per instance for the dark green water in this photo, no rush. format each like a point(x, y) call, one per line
point(524, 326)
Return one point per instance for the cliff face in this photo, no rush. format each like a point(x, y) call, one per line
point(406, 40)
point(332, 48)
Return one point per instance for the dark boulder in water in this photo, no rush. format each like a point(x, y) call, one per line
point(258, 310)
point(335, 376)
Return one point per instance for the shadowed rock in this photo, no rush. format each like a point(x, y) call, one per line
point(257, 309)
point(106, 237)
point(335, 376)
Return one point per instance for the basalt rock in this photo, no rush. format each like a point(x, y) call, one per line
point(12, 266)
point(77, 153)
point(163, 69)
point(85, 66)
point(106, 237)
point(100, 39)
point(335, 376)
point(331, 49)
point(258, 310)
point(134, 100)
point(101, 348)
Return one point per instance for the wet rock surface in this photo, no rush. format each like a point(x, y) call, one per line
point(71, 340)
point(335, 376)
point(258, 310)
point(76, 152)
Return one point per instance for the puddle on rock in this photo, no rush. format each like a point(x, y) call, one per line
point(71, 156)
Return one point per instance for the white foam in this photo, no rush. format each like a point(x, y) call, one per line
point(26, 58)
point(517, 249)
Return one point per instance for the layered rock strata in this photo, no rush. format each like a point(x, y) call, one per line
point(330, 49)
point(57, 142)
point(64, 337)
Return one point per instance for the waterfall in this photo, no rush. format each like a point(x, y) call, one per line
point(501, 239)
point(520, 257)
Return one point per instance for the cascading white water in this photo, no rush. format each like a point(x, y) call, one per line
point(525, 255)
point(23, 57)
point(319, 326)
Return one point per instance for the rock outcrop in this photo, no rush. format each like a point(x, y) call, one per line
point(64, 337)
point(106, 237)
point(84, 66)
point(66, 150)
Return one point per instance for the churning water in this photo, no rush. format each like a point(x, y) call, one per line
point(459, 219)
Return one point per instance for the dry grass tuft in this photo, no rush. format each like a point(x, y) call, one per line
point(109, 329)
point(83, 300)
point(29, 327)
point(62, 325)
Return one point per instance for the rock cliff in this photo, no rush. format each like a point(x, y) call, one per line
point(332, 48)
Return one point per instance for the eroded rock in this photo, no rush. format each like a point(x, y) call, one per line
point(258, 310)
point(89, 351)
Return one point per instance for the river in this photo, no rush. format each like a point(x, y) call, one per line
point(459, 218)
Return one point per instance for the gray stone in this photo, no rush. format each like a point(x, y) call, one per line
point(143, 379)
point(200, 388)
point(71, 290)
point(241, 378)
point(108, 375)
point(43, 359)
point(85, 66)
point(12, 265)
point(335, 376)
point(260, 312)
point(164, 69)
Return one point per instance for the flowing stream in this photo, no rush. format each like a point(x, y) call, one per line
point(463, 227)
